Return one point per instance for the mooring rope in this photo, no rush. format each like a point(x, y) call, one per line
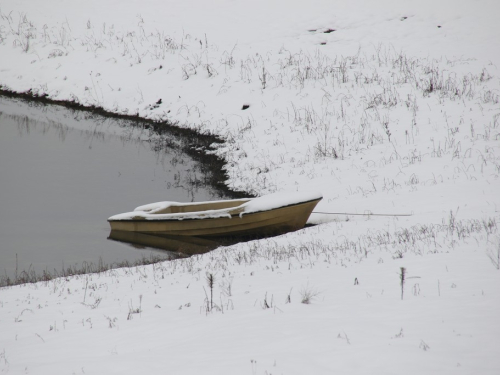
point(367, 214)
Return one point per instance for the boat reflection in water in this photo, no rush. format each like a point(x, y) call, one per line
point(184, 245)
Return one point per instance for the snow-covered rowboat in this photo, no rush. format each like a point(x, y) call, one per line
point(271, 214)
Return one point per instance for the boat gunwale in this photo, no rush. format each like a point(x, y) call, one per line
point(187, 204)
point(228, 216)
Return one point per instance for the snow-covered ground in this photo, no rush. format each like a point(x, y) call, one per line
point(384, 107)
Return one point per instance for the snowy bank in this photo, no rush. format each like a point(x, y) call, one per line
point(387, 107)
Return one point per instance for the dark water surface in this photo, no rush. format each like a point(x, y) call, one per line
point(64, 172)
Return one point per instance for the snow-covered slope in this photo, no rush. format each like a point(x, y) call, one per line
point(384, 107)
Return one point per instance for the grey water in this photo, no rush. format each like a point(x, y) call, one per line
point(64, 172)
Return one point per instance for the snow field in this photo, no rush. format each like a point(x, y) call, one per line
point(372, 104)
point(159, 317)
point(363, 124)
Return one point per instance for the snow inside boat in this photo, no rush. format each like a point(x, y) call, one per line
point(271, 214)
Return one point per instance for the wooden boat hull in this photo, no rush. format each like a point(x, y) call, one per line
point(270, 222)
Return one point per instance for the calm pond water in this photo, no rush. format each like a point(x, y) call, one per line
point(64, 172)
